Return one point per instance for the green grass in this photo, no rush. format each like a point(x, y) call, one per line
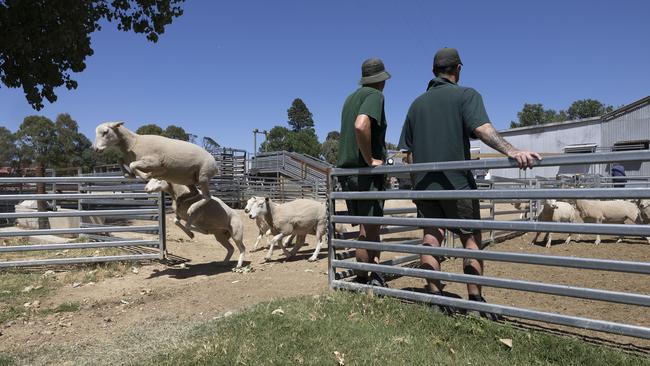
point(6, 360)
point(66, 307)
point(12, 296)
point(373, 331)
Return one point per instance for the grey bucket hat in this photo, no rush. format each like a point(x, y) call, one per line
point(373, 71)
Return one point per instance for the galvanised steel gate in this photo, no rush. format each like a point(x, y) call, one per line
point(338, 260)
point(113, 203)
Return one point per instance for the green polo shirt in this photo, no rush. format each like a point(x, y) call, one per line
point(438, 127)
point(368, 101)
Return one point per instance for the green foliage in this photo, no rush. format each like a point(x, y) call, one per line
point(391, 146)
point(8, 152)
point(43, 42)
point(586, 108)
point(373, 331)
point(330, 148)
point(535, 114)
point(299, 115)
point(176, 132)
point(150, 129)
point(301, 138)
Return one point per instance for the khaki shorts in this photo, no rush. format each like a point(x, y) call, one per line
point(451, 209)
point(364, 183)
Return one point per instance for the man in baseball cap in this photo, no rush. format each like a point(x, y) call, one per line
point(438, 127)
point(362, 144)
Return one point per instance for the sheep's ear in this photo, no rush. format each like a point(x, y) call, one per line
point(115, 125)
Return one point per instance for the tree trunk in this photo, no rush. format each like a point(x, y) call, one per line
point(43, 222)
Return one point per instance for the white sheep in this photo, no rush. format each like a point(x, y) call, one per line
point(263, 226)
point(151, 156)
point(299, 217)
point(524, 207)
point(613, 212)
point(644, 210)
point(556, 211)
point(214, 218)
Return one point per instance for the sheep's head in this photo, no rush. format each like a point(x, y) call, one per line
point(259, 208)
point(157, 185)
point(249, 204)
point(552, 204)
point(106, 136)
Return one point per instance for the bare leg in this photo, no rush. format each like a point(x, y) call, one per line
point(367, 233)
point(257, 241)
point(535, 238)
point(433, 237)
point(472, 266)
point(242, 252)
point(568, 239)
point(187, 231)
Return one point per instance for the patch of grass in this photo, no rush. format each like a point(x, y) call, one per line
point(6, 360)
point(373, 331)
point(12, 297)
point(66, 307)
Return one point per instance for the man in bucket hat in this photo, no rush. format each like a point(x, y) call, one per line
point(438, 127)
point(362, 144)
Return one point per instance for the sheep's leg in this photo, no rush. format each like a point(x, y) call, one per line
point(224, 240)
point(300, 241)
point(142, 168)
point(568, 240)
point(619, 240)
point(599, 221)
point(648, 239)
point(268, 234)
point(320, 235)
point(242, 252)
point(257, 241)
point(284, 244)
point(550, 239)
point(187, 231)
point(535, 238)
point(273, 241)
point(192, 211)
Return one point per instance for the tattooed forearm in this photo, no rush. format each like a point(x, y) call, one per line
point(491, 137)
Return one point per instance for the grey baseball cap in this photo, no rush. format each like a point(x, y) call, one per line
point(446, 57)
point(373, 71)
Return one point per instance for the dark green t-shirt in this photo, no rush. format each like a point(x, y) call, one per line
point(438, 127)
point(368, 101)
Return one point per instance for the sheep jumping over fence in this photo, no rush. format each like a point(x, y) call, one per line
point(556, 211)
point(214, 218)
point(299, 217)
point(151, 156)
point(613, 212)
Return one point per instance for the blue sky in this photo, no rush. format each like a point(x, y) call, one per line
point(225, 68)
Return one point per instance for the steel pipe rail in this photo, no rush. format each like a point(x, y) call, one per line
point(569, 159)
point(536, 259)
point(77, 213)
point(73, 196)
point(118, 243)
point(551, 289)
point(572, 321)
point(102, 229)
point(79, 180)
point(390, 262)
point(64, 261)
point(555, 227)
point(578, 193)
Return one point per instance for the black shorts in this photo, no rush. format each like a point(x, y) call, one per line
point(364, 183)
point(465, 209)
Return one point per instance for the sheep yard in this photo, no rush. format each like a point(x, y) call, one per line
point(117, 312)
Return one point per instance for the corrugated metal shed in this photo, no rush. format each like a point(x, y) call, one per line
point(631, 122)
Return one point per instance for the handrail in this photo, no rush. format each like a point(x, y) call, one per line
point(566, 159)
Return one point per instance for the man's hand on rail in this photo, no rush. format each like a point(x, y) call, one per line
point(525, 159)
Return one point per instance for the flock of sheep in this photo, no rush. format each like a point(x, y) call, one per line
point(610, 212)
point(183, 170)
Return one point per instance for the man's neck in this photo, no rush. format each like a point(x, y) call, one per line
point(451, 78)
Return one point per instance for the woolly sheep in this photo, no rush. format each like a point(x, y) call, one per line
point(263, 226)
point(556, 211)
point(299, 217)
point(613, 212)
point(214, 218)
point(151, 156)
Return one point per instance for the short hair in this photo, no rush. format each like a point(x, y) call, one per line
point(446, 70)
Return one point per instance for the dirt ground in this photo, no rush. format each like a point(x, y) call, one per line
point(135, 312)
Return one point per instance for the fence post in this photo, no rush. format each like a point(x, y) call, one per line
point(331, 210)
point(162, 234)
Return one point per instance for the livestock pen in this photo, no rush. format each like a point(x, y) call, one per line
point(340, 267)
